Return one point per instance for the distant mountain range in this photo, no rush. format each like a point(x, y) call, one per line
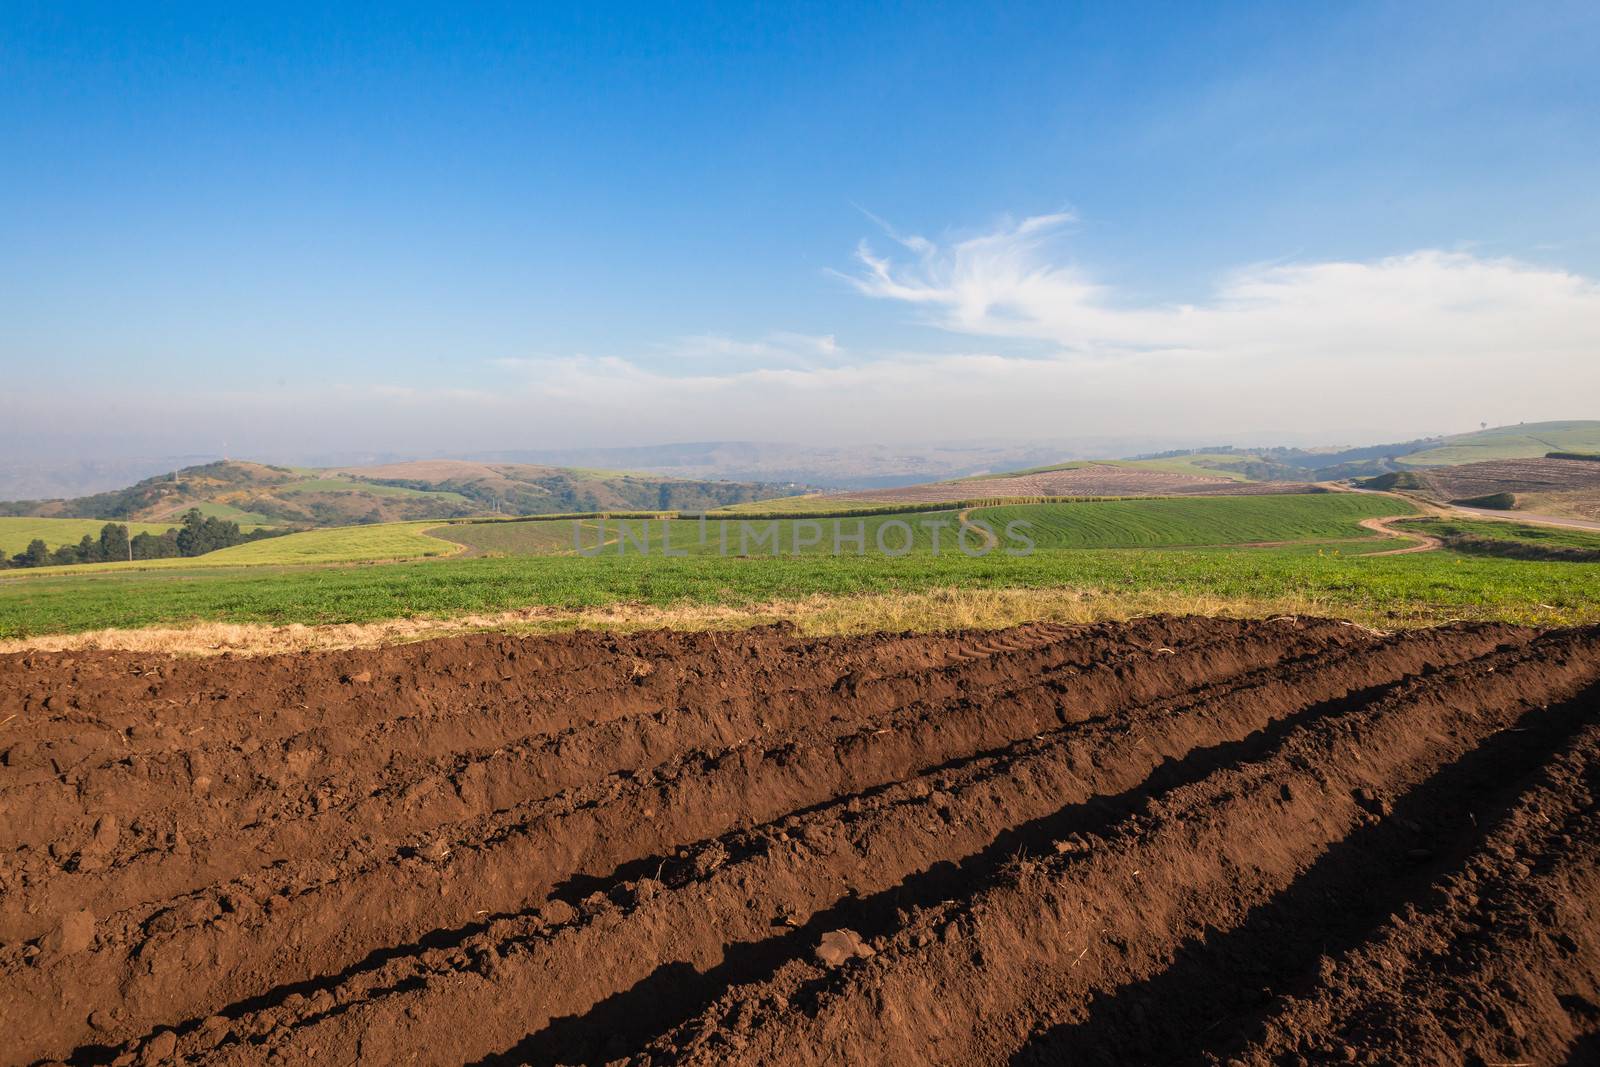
point(864, 466)
point(689, 476)
point(1523, 441)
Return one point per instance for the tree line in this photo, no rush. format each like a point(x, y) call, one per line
point(197, 535)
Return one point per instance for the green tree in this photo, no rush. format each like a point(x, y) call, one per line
point(200, 535)
point(113, 541)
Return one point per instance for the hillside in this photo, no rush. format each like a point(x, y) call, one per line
point(263, 494)
point(1524, 441)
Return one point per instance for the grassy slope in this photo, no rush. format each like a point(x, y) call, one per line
point(1306, 575)
point(1068, 465)
point(247, 520)
point(15, 533)
point(1429, 586)
point(1551, 536)
point(341, 544)
point(1169, 522)
point(1511, 442)
point(1197, 465)
point(1189, 521)
point(800, 505)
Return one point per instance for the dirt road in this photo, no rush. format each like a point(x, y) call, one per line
point(1419, 542)
point(1171, 840)
point(1532, 518)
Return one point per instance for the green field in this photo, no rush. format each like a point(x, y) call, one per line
point(1197, 464)
point(1511, 442)
point(814, 504)
point(15, 533)
point(1146, 553)
point(211, 509)
point(1198, 521)
point(534, 537)
point(1153, 523)
point(1518, 532)
point(378, 542)
point(1426, 587)
point(1068, 465)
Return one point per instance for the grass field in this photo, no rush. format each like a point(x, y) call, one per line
point(1426, 587)
point(341, 544)
point(1117, 557)
point(212, 509)
point(802, 505)
point(15, 533)
point(1195, 521)
point(1192, 464)
point(542, 537)
point(1511, 442)
point(1168, 522)
point(1069, 465)
point(1521, 533)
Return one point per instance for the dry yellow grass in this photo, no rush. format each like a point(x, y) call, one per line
point(942, 609)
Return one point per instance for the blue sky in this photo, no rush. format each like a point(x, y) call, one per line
point(426, 228)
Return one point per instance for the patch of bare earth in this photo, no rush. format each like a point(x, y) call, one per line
point(1518, 476)
point(1089, 480)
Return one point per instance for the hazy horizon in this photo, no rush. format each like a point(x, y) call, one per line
point(306, 233)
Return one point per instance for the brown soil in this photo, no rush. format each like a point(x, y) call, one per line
point(1583, 504)
point(1168, 840)
point(1517, 476)
point(1089, 480)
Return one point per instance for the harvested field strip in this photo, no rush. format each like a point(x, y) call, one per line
point(580, 848)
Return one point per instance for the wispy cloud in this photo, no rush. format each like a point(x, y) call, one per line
point(1424, 308)
point(1428, 341)
point(778, 347)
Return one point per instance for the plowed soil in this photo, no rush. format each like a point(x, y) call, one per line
point(1100, 479)
point(1166, 841)
point(1519, 476)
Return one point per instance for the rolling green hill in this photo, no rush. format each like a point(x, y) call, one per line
point(372, 543)
point(15, 533)
point(262, 494)
point(1155, 523)
point(1526, 441)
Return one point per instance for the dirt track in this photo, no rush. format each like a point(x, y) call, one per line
point(1415, 542)
point(1173, 840)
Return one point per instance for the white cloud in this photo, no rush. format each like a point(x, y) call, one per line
point(1426, 342)
point(1429, 341)
point(780, 347)
point(1429, 308)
